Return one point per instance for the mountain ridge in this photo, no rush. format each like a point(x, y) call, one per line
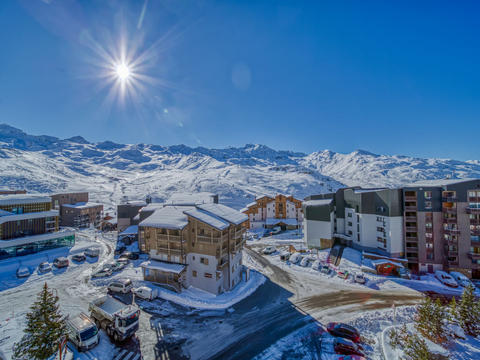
point(112, 171)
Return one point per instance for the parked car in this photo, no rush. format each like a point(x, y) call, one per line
point(23, 271)
point(445, 278)
point(284, 256)
point(102, 273)
point(404, 273)
point(343, 274)
point(344, 331)
point(295, 258)
point(360, 278)
point(346, 347)
point(60, 262)
point(276, 230)
point(123, 260)
point(114, 266)
point(79, 257)
point(267, 233)
point(120, 249)
point(461, 279)
point(92, 252)
point(305, 261)
point(130, 255)
point(145, 292)
point(44, 267)
point(316, 265)
point(269, 250)
point(121, 286)
point(325, 269)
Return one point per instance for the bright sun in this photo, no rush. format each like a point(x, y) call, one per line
point(123, 72)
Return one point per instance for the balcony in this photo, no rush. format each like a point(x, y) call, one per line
point(411, 228)
point(410, 207)
point(411, 238)
point(411, 218)
point(449, 198)
point(449, 210)
point(450, 220)
point(475, 232)
point(473, 255)
point(412, 249)
point(450, 231)
point(472, 210)
point(452, 253)
point(410, 198)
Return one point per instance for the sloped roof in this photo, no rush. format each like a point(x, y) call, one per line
point(163, 266)
point(168, 217)
point(226, 213)
point(208, 218)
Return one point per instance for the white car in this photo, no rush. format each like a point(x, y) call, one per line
point(23, 271)
point(461, 279)
point(305, 262)
point(44, 267)
point(269, 250)
point(145, 292)
point(316, 265)
point(102, 273)
point(359, 278)
point(295, 258)
point(445, 278)
point(92, 252)
point(123, 286)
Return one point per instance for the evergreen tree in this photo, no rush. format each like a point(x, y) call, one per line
point(429, 320)
point(416, 349)
point(469, 312)
point(453, 312)
point(45, 327)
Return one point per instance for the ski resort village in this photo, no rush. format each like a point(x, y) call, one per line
point(370, 273)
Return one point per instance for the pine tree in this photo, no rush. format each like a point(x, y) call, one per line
point(453, 311)
point(45, 327)
point(469, 312)
point(416, 349)
point(429, 320)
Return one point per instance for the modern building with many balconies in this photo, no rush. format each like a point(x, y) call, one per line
point(29, 225)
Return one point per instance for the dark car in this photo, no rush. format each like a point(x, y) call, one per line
point(60, 262)
point(343, 331)
point(120, 249)
point(346, 347)
point(130, 255)
point(78, 257)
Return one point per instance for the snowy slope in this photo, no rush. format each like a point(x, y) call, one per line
point(112, 172)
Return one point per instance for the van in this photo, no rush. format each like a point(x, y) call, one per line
point(123, 286)
point(92, 252)
point(145, 292)
point(82, 332)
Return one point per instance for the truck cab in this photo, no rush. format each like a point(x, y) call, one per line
point(82, 332)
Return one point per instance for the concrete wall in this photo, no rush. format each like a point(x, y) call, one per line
point(315, 230)
point(211, 285)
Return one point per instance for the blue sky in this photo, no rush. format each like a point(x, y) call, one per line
point(388, 77)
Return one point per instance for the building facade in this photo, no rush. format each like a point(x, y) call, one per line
point(366, 219)
point(442, 225)
point(29, 225)
point(76, 210)
point(279, 210)
point(196, 246)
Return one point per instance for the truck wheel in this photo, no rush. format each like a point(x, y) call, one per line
point(116, 338)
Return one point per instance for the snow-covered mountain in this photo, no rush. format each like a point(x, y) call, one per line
point(112, 172)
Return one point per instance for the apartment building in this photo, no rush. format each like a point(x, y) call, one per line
point(29, 225)
point(366, 219)
point(76, 210)
point(270, 211)
point(442, 225)
point(193, 245)
point(12, 192)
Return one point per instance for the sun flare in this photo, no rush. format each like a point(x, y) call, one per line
point(123, 71)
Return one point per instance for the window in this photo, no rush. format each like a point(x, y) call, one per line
point(204, 261)
point(194, 273)
point(349, 214)
point(193, 258)
point(208, 275)
point(358, 237)
point(427, 194)
point(349, 223)
point(428, 204)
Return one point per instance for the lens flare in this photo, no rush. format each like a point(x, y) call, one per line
point(123, 71)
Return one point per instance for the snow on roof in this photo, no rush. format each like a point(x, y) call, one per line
point(19, 199)
point(136, 202)
point(361, 191)
point(152, 207)
point(163, 266)
point(318, 202)
point(384, 261)
point(258, 197)
point(5, 213)
point(438, 182)
point(168, 217)
point(273, 221)
point(208, 218)
point(251, 204)
point(191, 198)
point(82, 205)
point(26, 216)
point(35, 238)
point(131, 230)
point(225, 212)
